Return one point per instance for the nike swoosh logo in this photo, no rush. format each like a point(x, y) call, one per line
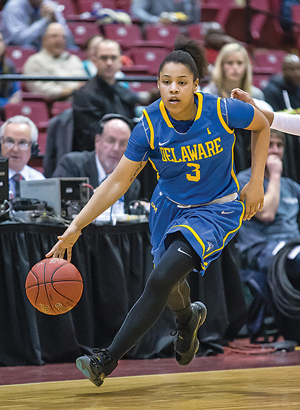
point(163, 143)
point(182, 251)
point(226, 212)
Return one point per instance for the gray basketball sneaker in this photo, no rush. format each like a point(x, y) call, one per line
point(96, 367)
point(186, 343)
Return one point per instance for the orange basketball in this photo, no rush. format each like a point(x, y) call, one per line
point(54, 286)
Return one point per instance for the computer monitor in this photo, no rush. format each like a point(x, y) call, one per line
point(59, 193)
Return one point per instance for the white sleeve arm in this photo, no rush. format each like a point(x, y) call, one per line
point(289, 123)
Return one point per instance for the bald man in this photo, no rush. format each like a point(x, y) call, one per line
point(54, 60)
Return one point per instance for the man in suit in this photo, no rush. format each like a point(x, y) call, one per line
point(18, 138)
point(101, 95)
point(110, 144)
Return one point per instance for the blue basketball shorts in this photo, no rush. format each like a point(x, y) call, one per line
point(207, 228)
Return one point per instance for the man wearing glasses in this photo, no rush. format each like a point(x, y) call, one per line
point(18, 137)
point(101, 95)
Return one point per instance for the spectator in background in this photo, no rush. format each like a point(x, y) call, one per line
point(9, 90)
point(99, 96)
point(166, 11)
point(24, 22)
point(54, 60)
point(283, 90)
point(232, 69)
point(110, 144)
point(260, 238)
point(91, 52)
point(18, 137)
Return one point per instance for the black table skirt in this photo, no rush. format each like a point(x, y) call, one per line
point(114, 262)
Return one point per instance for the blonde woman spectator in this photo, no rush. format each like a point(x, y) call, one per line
point(232, 69)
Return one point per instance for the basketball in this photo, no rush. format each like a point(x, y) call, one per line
point(54, 286)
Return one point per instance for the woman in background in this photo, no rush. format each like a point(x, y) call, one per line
point(232, 69)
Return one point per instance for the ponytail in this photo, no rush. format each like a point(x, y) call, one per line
point(189, 53)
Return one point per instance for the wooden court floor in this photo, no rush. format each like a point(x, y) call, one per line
point(238, 389)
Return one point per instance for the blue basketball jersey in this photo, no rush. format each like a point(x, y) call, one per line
point(195, 167)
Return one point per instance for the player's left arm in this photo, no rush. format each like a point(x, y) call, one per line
point(253, 192)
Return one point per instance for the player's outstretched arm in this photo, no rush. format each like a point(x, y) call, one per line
point(281, 121)
point(246, 97)
point(253, 191)
point(105, 196)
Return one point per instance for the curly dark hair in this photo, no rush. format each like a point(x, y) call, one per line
point(189, 53)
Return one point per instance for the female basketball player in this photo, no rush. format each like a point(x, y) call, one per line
point(189, 139)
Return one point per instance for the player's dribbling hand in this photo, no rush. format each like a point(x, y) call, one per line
point(253, 196)
point(65, 243)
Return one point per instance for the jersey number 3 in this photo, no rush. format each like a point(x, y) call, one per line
point(195, 175)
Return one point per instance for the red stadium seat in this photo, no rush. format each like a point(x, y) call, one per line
point(296, 13)
point(28, 95)
point(210, 12)
point(68, 8)
point(89, 5)
point(42, 141)
point(83, 30)
point(219, 10)
point(60, 106)
point(260, 80)
point(296, 20)
point(265, 29)
point(123, 5)
point(259, 17)
point(271, 60)
point(197, 31)
point(19, 56)
point(130, 36)
point(135, 70)
point(126, 36)
point(37, 111)
point(79, 53)
point(142, 86)
point(165, 34)
point(149, 56)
